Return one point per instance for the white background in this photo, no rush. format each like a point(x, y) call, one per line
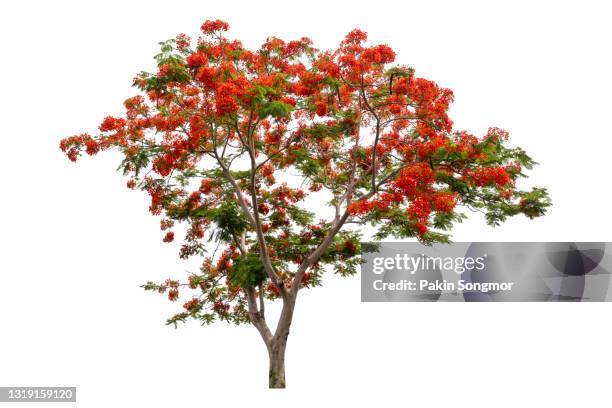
point(76, 244)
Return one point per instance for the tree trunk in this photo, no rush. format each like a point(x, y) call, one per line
point(276, 350)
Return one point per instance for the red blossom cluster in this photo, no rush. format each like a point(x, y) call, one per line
point(497, 175)
point(72, 146)
point(192, 304)
point(211, 26)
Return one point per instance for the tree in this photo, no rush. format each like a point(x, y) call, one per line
point(218, 134)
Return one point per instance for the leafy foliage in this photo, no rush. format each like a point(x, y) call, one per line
point(248, 271)
point(230, 221)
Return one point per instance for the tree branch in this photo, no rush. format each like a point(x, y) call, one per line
point(378, 128)
point(257, 318)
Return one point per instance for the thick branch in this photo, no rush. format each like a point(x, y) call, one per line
point(261, 239)
point(257, 318)
point(241, 199)
point(317, 253)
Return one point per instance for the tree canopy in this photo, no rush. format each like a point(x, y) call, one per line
point(233, 143)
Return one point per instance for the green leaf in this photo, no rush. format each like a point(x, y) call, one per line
point(275, 109)
point(248, 271)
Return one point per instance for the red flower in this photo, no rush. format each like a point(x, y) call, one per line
point(109, 124)
point(321, 108)
point(72, 154)
point(162, 165)
point(169, 237)
point(192, 305)
point(444, 202)
point(182, 41)
point(165, 224)
point(355, 37)
point(91, 147)
point(490, 175)
point(206, 75)
point(267, 170)
point(196, 59)
point(173, 294)
point(288, 100)
point(315, 187)
point(225, 103)
point(206, 186)
point(380, 54)
point(419, 209)
point(211, 26)
point(172, 283)
point(272, 288)
point(421, 228)
point(350, 246)
point(264, 208)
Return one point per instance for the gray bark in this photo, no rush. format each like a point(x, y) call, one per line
point(276, 351)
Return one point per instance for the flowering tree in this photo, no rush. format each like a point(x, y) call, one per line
point(234, 143)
